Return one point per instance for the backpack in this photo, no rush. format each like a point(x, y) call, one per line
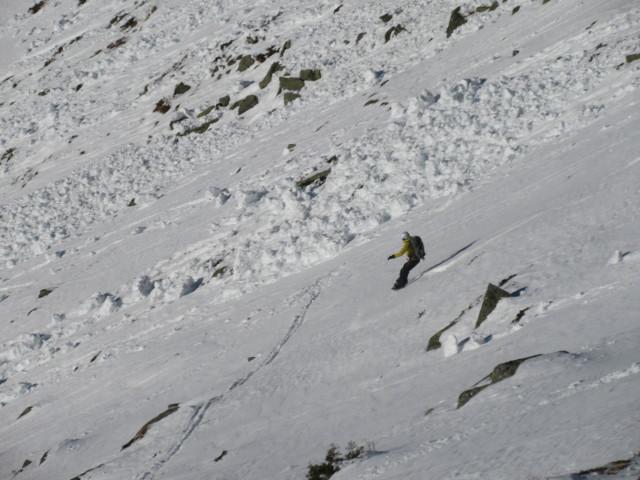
point(418, 247)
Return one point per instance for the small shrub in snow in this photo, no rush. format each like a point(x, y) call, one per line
point(333, 460)
point(37, 7)
point(117, 43)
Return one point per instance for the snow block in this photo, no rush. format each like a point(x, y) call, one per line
point(491, 298)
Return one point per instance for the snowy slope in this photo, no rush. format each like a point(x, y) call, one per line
point(156, 272)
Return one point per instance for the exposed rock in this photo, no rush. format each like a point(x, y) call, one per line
point(181, 88)
point(290, 97)
point(632, 58)
point(455, 21)
point(310, 75)
point(285, 47)
point(224, 101)
point(143, 431)
point(392, 32)
point(499, 373)
point(245, 104)
point(491, 298)
point(245, 63)
point(318, 179)
point(291, 83)
point(275, 67)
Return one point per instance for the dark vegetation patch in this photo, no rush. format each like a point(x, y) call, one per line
point(221, 456)
point(386, 17)
point(132, 203)
point(145, 429)
point(37, 7)
point(519, 315)
point(337, 9)
point(7, 155)
point(25, 178)
point(515, 10)
point(53, 58)
point(44, 457)
point(117, 43)
point(612, 468)
point(117, 19)
point(132, 22)
point(371, 102)
point(333, 461)
point(360, 37)
point(163, 106)
point(499, 373)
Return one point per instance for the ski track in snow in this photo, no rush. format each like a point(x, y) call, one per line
point(416, 118)
point(307, 297)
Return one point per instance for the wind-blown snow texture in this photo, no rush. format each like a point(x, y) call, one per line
point(158, 247)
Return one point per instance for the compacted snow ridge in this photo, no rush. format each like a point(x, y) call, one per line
point(198, 200)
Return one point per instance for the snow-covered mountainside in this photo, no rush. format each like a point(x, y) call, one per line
point(198, 200)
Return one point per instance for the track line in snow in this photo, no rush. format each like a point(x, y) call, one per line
point(308, 296)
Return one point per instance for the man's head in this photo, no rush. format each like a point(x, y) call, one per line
point(405, 235)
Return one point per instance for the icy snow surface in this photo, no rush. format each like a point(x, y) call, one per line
point(161, 251)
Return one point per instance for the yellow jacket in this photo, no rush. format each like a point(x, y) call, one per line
point(406, 248)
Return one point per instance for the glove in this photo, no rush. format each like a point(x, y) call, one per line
point(391, 257)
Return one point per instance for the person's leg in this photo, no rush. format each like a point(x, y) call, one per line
point(404, 273)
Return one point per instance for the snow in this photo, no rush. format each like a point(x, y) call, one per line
point(147, 268)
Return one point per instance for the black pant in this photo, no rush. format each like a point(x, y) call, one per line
point(404, 272)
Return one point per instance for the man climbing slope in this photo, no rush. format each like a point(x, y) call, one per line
point(414, 248)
